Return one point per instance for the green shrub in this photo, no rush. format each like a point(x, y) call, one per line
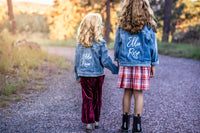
point(8, 90)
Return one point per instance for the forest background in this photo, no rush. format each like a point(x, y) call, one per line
point(60, 21)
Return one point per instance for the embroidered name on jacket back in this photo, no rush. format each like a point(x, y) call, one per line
point(131, 45)
point(86, 59)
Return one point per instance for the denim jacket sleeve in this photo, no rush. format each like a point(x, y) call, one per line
point(154, 52)
point(117, 44)
point(107, 61)
point(76, 64)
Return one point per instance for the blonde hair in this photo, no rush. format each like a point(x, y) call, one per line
point(136, 14)
point(89, 29)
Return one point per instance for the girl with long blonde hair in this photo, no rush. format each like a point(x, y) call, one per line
point(136, 52)
point(90, 59)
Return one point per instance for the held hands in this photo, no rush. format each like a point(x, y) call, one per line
point(152, 72)
point(118, 63)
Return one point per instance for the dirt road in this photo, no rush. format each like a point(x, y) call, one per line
point(172, 105)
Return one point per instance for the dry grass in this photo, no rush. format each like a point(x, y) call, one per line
point(21, 65)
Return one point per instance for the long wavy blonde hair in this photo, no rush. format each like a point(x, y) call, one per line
point(136, 14)
point(89, 29)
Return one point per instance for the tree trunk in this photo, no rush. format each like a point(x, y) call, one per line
point(173, 31)
point(11, 17)
point(167, 19)
point(108, 25)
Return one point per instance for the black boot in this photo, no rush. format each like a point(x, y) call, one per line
point(125, 122)
point(137, 124)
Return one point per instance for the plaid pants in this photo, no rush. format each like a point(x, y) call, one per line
point(91, 94)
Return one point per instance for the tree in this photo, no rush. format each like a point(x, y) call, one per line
point(108, 25)
point(66, 15)
point(177, 9)
point(167, 20)
point(188, 22)
point(11, 17)
point(176, 13)
point(185, 16)
point(64, 18)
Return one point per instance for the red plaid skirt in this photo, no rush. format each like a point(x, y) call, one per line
point(136, 78)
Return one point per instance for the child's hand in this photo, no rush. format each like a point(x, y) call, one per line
point(118, 63)
point(78, 81)
point(152, 73)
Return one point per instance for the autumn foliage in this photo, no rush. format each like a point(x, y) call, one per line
point(3, 14)
point(64, 16)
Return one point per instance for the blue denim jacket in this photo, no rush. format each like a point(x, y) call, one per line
point(136, 50)
point(90, 61)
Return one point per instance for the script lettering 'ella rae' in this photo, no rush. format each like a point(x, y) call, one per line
point(133, 42)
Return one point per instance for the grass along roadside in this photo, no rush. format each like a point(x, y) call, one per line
point(179, 50)
point(22, 69)
point(47, 42)
point(14, 87)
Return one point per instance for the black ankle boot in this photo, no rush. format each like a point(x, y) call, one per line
point(137, 124)
point(125, 122)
